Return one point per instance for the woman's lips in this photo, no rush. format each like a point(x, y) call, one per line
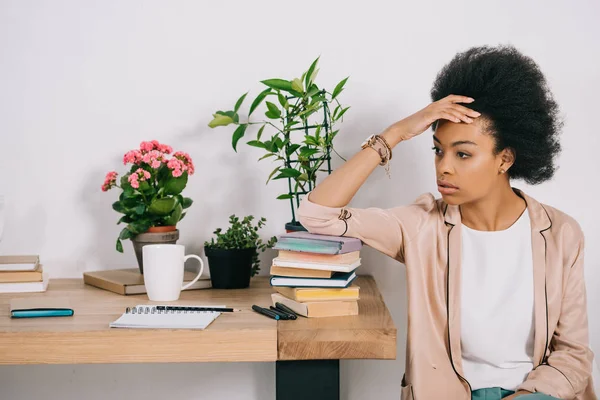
point(446, 188)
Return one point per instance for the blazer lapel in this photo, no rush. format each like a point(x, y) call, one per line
point(452, 220)
point(540, 222)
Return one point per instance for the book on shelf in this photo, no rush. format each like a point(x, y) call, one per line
point(19, 263)
point(319, 294)
point(311, 265)
point(25, 287)
point(313, 243)
point(338, 280)
point(300, 272)
point(129, 280)
point(22, 276)
point(318, 309)
point(297, 256)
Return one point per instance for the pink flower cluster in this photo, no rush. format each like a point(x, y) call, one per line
point(154, 155)
point(180, 163)
point(138, 176)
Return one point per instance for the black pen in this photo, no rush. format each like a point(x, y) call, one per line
point(285, 308)
point(285, 315)
point(282, 314)
point(266, 312)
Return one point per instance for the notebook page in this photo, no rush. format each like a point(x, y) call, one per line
point(169, 320)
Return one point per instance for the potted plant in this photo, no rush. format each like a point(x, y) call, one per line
point(302, 131)
point(233, 255)
point(150, 199)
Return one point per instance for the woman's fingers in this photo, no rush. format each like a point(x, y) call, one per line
point(465, 110)
point(449, 116)
point(454, 98)
point(458, 115)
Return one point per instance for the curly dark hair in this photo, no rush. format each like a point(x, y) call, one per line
point(513, 96)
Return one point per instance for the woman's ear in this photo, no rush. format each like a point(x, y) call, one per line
point(507, 157)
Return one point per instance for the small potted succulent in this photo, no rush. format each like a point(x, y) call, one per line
point(150, 199)
point(233, 255)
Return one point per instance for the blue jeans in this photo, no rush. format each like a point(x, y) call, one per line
point(496, 393)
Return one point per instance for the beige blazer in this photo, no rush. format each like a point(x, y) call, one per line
point(426, 236)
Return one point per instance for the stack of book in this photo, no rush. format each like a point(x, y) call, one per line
point(22, 274)
point(313, 274)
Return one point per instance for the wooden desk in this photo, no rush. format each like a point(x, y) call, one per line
point(305, 350)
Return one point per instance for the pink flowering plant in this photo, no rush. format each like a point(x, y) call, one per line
point(151, 190)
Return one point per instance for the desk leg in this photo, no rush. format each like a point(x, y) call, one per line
point(307, 379)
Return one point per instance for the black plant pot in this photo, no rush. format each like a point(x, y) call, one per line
point(231, 268)
point(295, 226)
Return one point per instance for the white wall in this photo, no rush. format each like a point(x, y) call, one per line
point(81, 82)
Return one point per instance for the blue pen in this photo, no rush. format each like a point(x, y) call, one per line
point(266, 312)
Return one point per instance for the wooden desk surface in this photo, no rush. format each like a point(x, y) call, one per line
point(86, 338)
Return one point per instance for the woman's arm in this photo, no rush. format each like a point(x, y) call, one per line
point(339, 188)
point(568, 368)
point(324, 210)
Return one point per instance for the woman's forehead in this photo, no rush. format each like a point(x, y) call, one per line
point(448, 133)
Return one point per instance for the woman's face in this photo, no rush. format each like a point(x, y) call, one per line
point(466, 167)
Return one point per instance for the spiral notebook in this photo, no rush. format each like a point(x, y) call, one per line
point(146, 316)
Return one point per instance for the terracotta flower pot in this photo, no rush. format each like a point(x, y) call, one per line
point(162, 229)
point(139, 241)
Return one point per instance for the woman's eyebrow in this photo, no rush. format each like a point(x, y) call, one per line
point(457, 143)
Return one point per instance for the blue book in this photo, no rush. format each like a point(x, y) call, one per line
point(337, 280)
point(35, 307)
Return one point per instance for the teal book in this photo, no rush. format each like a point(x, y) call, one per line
point(313, 243)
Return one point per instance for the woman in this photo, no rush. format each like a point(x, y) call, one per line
point(496, 293)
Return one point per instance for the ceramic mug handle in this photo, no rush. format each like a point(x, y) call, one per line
point(199, 272)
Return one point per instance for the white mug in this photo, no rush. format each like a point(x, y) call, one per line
point(163, 271)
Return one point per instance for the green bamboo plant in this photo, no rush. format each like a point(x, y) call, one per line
point(297, 100)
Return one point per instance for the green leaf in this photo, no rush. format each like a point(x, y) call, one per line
point(175, 185)
point(292, 148)
point(186, 203)
point(260, 132)
point(138, 227)
point(267, 156)
point(258, 100)
point(308, 151)
point(118, 207)
point(288, 173)
point(297, 85)
point(339, 87)
point(162, 206)
point(342, 113)
point(175, 216)
point(119, 246)
point(125, 219)
point(273, 173)
point(139, 210)
point(283, 101)
point(237, 135)
point(310, 71)
point(238, 104)
point(313, 76)
point(256, 143)
point(273, 109)
point(125, 234)
point(220, 120)
point(313, 90)
point(285, 197)
point(279, 84)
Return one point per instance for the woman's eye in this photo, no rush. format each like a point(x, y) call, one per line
point(436, 151)
point(462, 155)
